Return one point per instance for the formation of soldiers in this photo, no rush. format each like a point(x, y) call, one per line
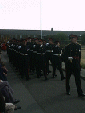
point(33, 55)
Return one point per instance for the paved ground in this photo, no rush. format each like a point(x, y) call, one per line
point(39, 96)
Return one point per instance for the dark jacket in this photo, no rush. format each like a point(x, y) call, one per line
point(2, 103)
point(73, 50)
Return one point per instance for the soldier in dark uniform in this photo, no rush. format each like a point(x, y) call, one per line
point(16, 55)
point(40, 60)
point(9, 50)
point(19, 56)
point(11, 53)
point(31, 54)
point(0, 47)
point(49, 53)
point(72, 57)
point(35, 53)
point(57, 62)
point(21, 64)
point(25, 60)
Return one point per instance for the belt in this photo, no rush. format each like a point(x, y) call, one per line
point(42, 53)
point(74, 57)
point(25, 54)
point(34, 51)
point(49, 50)
point(57, 54)
point(38, 53)
point(21, 53)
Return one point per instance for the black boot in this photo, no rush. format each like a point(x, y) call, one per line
point(46, 78)
point(54, 76)
point(62, 77)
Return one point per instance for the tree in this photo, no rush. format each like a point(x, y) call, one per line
point(83, 39)
point(62, 36)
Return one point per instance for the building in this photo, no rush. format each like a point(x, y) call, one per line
point(11, 33)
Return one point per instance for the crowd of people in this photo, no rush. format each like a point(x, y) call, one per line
point(7, 101)
point(33, 55)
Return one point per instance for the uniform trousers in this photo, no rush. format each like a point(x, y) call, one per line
point(22, 66)
point(40, 65)
point(34, 61)
point(26, 66)
point(48, 56)
point(75, 70)
point(31, 60)
point(57, 64)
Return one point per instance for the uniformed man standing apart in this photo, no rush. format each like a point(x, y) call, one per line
point(72, 56)
point(57, 62)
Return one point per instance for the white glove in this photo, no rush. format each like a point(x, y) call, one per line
point(70, 58)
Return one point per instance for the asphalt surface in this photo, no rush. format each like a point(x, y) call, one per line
point(39, 96)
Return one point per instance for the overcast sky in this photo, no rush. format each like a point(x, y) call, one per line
point(64, 15)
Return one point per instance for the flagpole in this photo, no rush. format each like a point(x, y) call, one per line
point(40, 19)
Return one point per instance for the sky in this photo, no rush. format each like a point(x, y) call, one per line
point(61, 15)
